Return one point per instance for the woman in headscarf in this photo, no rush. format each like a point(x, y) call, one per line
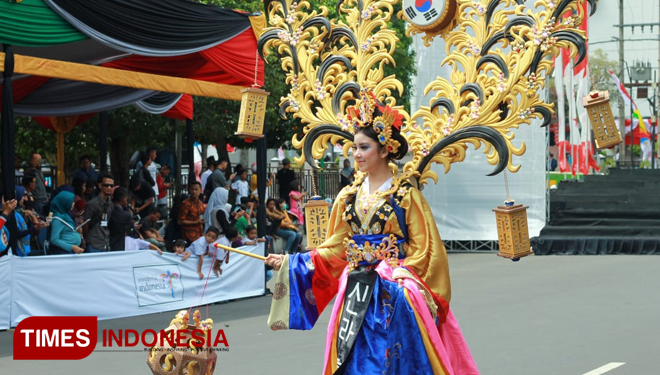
point(23, 225)
point(63, 236)
point(216, 214)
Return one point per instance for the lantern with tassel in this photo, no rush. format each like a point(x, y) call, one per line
point(512, 231)
point(606, 133)
point(253, 111)
point(253, 108)
point(316, 222)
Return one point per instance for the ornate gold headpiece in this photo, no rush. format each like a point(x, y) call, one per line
point(499, 52)
point(362, 115)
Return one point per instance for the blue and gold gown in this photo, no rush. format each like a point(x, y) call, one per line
point(387, 266)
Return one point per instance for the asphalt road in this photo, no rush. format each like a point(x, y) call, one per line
point(558, 315)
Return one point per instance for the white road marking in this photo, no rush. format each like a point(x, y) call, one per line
point(603, 369)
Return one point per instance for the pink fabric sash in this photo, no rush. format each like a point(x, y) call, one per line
point(447, 339)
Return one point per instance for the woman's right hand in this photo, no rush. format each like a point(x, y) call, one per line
point(9, 206)
point(77, 249)
point(275, 261)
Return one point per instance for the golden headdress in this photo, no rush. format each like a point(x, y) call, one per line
point(499, 52)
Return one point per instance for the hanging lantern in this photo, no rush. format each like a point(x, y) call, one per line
point(253, 111)
point(316, 222)
point(189, 360)
point(606, 133)
point(512, 231)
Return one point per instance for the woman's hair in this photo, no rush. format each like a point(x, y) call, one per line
point(278, 203)
point(396, 135)
point(144, 158)
point(78, 184)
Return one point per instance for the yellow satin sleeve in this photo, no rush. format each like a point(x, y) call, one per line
point(426, 254)
point(333, 250)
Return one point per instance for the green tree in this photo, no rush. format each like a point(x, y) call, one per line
point(599, 67)
point(281, 131)
point(215, 120)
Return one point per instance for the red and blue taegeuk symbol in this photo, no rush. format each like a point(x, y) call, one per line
point(423, 5)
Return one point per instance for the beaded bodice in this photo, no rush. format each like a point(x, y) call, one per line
point(371, 213)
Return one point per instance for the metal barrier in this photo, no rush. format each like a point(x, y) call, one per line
point(328, 183)
point(471, 246)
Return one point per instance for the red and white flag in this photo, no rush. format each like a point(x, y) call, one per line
point(573, 84)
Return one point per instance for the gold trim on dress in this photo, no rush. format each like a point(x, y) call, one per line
point(387, 250)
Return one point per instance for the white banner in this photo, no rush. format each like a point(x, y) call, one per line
point(120, 284)
point(5, 292)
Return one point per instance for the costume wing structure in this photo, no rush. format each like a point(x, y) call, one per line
point(330, 64)
point(500, 53)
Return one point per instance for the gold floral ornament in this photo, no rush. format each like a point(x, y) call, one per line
point(329, 65)
point(387, 250)
point(499, 52)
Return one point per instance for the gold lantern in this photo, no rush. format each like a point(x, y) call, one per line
point(606, 133)
point(316, 222)
point(512, 231)
point(253, 111)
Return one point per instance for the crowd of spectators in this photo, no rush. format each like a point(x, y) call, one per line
point(95, 215)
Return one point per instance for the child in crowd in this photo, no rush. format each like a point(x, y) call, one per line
point(251, 240)
point(221, 254)
point(202, 245)
point(180, 250)
point(233, 237)
point(133, 244)
point(251, 236)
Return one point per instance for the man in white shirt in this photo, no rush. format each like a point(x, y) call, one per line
point(153, 168)
point(210, 164)
point(241, 186)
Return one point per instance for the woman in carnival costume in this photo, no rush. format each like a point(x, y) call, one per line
point(385, 263)
point(383, 259)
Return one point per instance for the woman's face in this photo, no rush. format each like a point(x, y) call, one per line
point(367, 154)
point(271, 205)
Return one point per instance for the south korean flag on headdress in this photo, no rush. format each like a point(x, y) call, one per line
point(424, 12)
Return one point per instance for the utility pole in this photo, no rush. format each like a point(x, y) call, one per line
point(622, 116)
point(656, 101)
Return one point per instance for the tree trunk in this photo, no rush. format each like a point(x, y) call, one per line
point(119, 155)
point(245, 158)
point(204, 153)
